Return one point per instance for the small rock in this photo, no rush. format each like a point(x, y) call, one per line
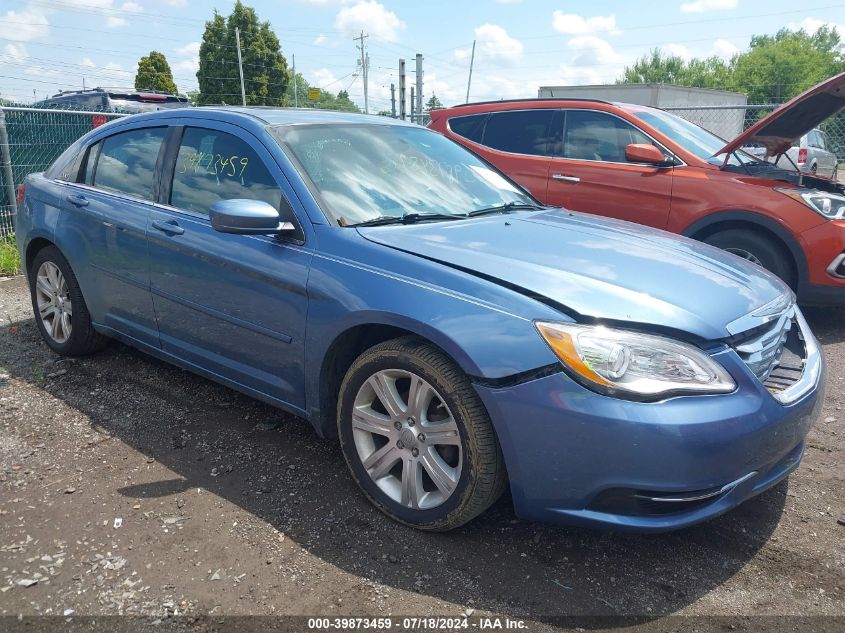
point(216, 575)
point(68, 612)
point(58, 373)
point(137, 506)
point(118, 521)
point(830, 419)
point(70, 490)
point(266, 426)
point(26, 582)
point(468, 612)
point(841, 520)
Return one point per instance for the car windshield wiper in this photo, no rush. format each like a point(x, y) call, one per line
point(506, 208)
point(408, 218)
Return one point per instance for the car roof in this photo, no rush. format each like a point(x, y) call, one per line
point(274, 115)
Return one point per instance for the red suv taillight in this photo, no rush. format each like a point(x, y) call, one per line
point(97, 120)
point(802, 156)
point(21, 191)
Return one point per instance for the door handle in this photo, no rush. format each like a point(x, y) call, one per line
point(574, 179)
point(171, 227)
point(77, 200)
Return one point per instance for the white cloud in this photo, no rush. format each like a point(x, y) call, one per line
point(191, 64)
point(702, 6)
point(811, 25)
point(177, 3)
point(724, 48)
point(13, 54)
point(113, 66)
point(115, 21)
point(595, 62)
point(131, 7)
point(369, 16)
point(86, 61)
point(320, 40)
point(324, 78)
point(574, 24)
point(679, 50)
point(24, 26)
point(493, 43)
point(189, 50)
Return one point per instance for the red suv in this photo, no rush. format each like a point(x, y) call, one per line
point(646, 165)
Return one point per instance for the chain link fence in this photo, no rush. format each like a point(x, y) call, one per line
point(728, 121)
point(30, 140)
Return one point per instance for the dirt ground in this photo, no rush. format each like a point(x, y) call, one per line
point(128, 486)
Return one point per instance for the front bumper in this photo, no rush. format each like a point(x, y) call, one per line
point(577, 457)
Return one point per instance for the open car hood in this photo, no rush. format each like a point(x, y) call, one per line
point(783, 127)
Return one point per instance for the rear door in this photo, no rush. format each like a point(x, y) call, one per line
point(591, 173)
point(233, 305)
point(106, 220)
point(516, 141)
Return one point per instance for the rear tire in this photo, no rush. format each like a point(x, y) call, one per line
point(757, 249)
point(433, 482)
point(60, 310)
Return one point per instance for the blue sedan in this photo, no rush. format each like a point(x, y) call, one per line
point(413, 303)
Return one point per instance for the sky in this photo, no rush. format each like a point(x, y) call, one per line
point(50, 45)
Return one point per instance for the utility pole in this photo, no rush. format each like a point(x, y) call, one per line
point(419, 85)
point(365, 61)
point(393, 100)
point(240, 64)
point(471, 62)
point(402, 89)
point(413, 103)
point(295, 96)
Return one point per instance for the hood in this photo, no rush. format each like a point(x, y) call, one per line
point(596, 268)
point(783, 127)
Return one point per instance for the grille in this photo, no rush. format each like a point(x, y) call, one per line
point(774, 352)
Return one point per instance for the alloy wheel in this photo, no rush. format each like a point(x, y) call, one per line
point(407, 439)
point(54, 304)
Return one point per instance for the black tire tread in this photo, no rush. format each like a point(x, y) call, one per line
point(484, 455)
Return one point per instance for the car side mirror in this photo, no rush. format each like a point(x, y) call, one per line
point(645, 153)
point(247, 217)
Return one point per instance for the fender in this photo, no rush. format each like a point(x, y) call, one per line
point(750, 217)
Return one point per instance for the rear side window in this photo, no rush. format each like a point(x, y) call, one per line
point(520, 131)
point(470, 127)
point(127, 162)
point(66, 166)
point(592, 135)
point(213, 165)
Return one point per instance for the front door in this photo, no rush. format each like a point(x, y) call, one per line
point(233, 305)
point(591, 173)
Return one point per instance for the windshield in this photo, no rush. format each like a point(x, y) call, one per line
point(691, 137)
point(363, 172)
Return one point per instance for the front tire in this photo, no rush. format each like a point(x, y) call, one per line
point(416, 436)
point(758, 249)
point(60, 310)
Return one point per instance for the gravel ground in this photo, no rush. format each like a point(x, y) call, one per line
point(128, 486)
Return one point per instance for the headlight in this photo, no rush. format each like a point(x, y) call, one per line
point(633, 365)
point(830, 205)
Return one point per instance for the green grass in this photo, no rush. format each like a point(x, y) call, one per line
point(10, 263)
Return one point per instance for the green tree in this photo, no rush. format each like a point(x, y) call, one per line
point(658, 67)
point(781, 66)
point(154, 74)
point(327, 100)
point(433, 103)
point(266, 74)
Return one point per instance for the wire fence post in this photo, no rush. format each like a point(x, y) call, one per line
point(6, 165)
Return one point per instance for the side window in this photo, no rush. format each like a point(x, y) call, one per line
point(127, 161)
point(66, 166)
point(519, 131)
point(592, 135)
point(470, 127)
point(820, 140)
point(91, 163)
point(212, 166)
